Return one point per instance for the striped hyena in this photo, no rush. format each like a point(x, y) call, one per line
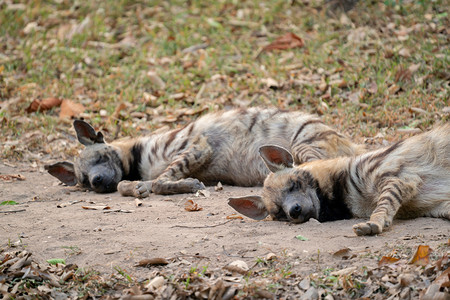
point(409, 179)
point(219, 146)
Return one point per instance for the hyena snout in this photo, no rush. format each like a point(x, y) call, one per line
point(103, 180)
point(297, 209)
point(103, 184)
point(97, 181)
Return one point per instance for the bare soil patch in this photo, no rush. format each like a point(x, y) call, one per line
point(51, 221)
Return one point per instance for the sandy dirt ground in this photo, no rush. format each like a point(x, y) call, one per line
point(51, 222)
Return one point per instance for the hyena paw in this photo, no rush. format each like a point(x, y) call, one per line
point(142, 189)
point(138, 189)
point(195, 184)
point(125, 188)
point(367, 228)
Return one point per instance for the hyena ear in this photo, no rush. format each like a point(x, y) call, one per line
point(276, 158)
point(250, 206)
point(86, 133)
point(64, 171)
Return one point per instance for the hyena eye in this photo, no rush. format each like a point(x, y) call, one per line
point(101, 159)
point(294, 186)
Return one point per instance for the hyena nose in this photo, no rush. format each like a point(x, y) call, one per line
point(295, 211)
point(97, 180)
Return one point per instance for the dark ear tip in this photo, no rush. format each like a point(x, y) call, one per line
point(78, 122)
point(262, 148)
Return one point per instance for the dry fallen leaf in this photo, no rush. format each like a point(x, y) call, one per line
point(218, 187)
point(191, 112)
point(237, 266)
point(406, 279)
point(157, 261)
point(204, 193)
point(12, 177)
point(118, 109)
point(342, 253)
point(70, 109)
point(177, 96)
point(422, 256)
point(44, 104)
point(287, 41)
point(372, 87)
point(393, 89)
point(443, 279)
point(190, 205)
point(156, 80)
point(387, 260)
point(170, 119)
point(155, 283)
point(234, 216)
point(270, 83)
point(418, 110)
point(414, 68)
point(444, 260)
point(61, 205)
point(97, 207)
point(127, 211)
point(343, 272)
point(403, 74)
point(404, 52)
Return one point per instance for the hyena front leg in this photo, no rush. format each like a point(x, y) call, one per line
point(175, 179)
point(138, 189)
point(394, 193)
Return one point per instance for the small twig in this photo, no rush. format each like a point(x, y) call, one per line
point(231, 255)
point(200, 92)
point(188, 255)
point(206, 226)
point(12, 211)
point(116, 133)
point(228, 254)
point(195, 48)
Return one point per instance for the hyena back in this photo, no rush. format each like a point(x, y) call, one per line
point(409, 179)
point(219, 146)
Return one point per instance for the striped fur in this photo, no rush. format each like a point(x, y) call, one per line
point(219, 146)
point(409, 179)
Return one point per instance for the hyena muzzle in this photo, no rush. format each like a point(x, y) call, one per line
point(217, 147)
point(409, 179)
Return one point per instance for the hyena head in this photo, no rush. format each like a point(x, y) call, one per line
point(99, 166)
point(289, 194)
